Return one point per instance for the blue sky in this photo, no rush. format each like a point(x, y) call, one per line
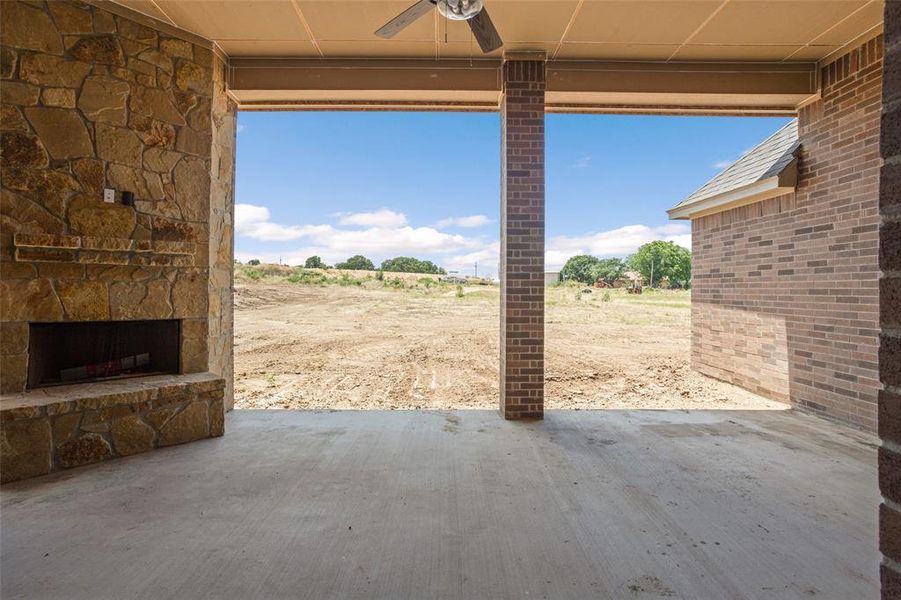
point(384, 184)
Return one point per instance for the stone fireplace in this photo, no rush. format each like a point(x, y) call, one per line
point(67, 353)
point(117, 172)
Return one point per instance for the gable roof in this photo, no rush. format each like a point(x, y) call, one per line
point(766, 171)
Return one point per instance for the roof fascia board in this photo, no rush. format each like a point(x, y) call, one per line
point(749, 194)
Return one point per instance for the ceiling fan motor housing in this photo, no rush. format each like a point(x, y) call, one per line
point(472, 11)
point(460, 10)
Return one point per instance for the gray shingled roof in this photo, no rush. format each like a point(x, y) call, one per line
point(767, 159)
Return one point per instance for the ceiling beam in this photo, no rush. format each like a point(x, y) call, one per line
point(680, 87)
point(367, 74)
point(683, 77)
point(572, 86)
point(369, 84)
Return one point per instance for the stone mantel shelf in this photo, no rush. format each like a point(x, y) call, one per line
point(43, 247)
point(81, 396)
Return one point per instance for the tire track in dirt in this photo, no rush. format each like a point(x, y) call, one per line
point(355, 348)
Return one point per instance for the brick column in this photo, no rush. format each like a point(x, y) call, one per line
point(522, 238)
point(890, 309)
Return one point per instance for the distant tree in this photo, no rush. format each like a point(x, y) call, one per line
point(610, 269)
point(357, 262)
point(253, 262)
point(582, 268)
point(408, 264)
point(681, 270)
point(659, 259)
point(314, 262)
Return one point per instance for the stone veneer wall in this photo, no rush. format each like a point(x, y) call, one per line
point(90, 99)
point(69, 426)
point(785, 292)
point(222, 208)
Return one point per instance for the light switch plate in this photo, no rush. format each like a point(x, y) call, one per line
point(109, 195)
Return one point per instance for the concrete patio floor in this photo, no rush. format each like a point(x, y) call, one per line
point(609, 504)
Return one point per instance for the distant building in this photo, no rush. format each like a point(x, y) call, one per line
point(551, 277)
point(453, 279)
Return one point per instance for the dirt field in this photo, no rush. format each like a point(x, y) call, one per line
point(352, 347)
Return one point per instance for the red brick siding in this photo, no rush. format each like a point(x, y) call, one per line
point(522, 240)
point(785, 292)
point(890, 310)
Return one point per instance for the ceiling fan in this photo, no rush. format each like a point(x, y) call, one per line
point(456, 10)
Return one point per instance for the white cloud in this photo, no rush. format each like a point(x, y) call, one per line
point(487, 257)
point(334, 245)
point(389, 238)
point(245, 214)
point(683, 240)
point(253, 221)
point(469, 222)
point(456, 252)
point(240, 128)
point(380, 218)
point(583, 162)
point(677, 228)
point(722, 164)
point(614, 242)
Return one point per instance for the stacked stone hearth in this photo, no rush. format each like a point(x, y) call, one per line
point(94, 100)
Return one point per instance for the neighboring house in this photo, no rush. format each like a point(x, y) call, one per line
point(551, 277)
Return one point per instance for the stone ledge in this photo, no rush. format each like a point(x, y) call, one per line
point(59, 427)
point(44, 247)
point(109, 392)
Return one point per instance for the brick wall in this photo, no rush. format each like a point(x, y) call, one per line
point(522, 240)
point(890, 310)
point(785, 298)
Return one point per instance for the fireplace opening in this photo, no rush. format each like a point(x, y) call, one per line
point(64, 353)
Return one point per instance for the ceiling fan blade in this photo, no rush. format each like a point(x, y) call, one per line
point(485, 33)
point(405, 19)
